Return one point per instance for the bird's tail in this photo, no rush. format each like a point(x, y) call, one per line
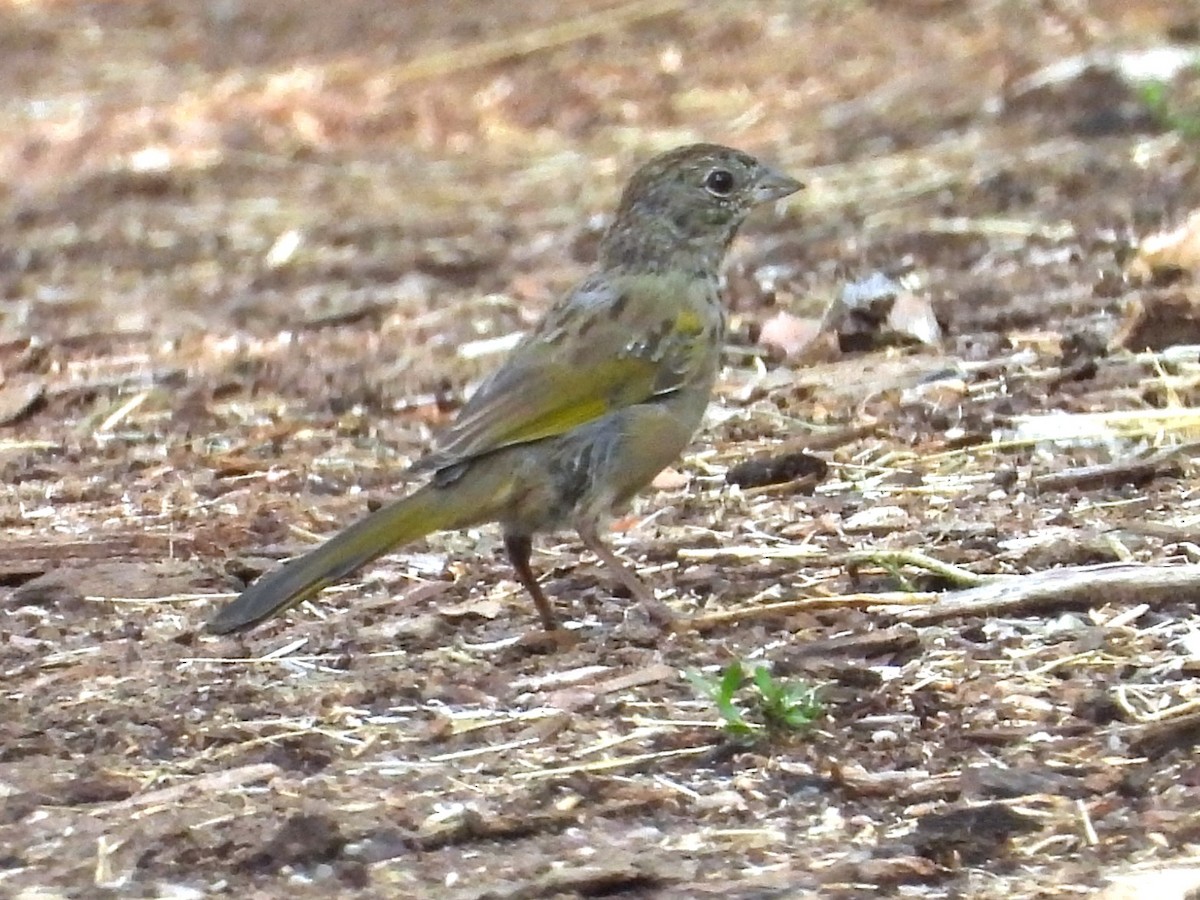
point(476, 496)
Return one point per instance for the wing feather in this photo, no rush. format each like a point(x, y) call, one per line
point(542, 390)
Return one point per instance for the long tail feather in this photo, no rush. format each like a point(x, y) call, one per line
point(472, 498)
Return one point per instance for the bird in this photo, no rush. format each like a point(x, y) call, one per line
point(601, 395)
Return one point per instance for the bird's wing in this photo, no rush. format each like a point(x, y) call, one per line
point(608, 344)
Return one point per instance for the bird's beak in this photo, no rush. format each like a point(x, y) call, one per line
point(774, 185)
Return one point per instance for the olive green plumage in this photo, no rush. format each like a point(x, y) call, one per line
point(602, 395)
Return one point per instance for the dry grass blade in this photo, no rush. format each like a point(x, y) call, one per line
point(224, 780)
point(637, 761)
point(567, 31)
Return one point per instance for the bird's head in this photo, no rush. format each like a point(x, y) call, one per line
point(684, 207)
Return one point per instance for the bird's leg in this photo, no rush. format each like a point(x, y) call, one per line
point(519, 547)
point(659, 612)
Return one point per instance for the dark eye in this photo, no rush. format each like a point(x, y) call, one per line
point(719, 182)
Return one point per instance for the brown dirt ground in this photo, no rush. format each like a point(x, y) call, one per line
point(241, 247)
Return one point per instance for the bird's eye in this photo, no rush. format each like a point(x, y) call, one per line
point(719, 182)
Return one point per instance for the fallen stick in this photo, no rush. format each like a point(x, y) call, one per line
point(1068, 587)
point(1164, 463)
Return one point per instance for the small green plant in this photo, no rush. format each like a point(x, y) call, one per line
point(1166, 109)
point(766, 705)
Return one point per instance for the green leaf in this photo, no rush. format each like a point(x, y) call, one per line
point(764, 682)
point(779, 704)
point(734, 678)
